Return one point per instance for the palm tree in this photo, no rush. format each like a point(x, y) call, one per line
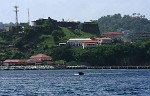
point(134, 14)
point(138, 14)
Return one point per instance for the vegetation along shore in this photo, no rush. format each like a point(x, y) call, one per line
point(112, 40)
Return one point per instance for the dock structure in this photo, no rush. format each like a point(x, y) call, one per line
point(108, 67)
point(28, 67)
point(49, 67)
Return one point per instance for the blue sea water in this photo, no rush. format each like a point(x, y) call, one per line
point(95, 82)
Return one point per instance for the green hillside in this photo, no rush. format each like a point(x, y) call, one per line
point(36, 40)
point(46, 40)
point(124, 23)
point(49, 39)
point(74, 34)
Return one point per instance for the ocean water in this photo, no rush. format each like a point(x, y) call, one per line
point(95, 82)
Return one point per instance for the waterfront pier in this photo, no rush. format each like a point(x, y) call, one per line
point(108, 67)
point(48, 67)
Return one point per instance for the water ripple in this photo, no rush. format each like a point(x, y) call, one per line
point(64, 83)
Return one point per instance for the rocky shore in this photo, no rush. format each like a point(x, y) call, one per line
point(29, 67)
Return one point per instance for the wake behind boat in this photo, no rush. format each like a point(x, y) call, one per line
point(79, 73)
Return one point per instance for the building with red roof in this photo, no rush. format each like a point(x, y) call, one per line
point(114, 35)
point(39, 59)
point(89, 43)
point(34, 61)
point(14, 61)
point(105, 40)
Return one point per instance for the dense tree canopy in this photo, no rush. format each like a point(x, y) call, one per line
point(43, 38)
point(118, 23)
point(125, 54)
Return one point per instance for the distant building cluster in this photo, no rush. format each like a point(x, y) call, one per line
point(7, 27)
point(107, 38)
point(33, 60)
point(88, 42)
point(90, 27)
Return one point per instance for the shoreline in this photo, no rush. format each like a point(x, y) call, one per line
point(49, 67)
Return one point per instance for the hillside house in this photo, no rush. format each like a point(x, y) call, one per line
point(34, 61)
point(77, 41)
point(105, 40)
point(39, 59)
point(114, 35)
point(13, 62)
point(89, 43)
point(83, 42)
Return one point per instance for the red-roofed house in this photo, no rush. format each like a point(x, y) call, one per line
point(89, 43)
point(42, 57)
point(39, 59)
point(76, 42)
point(105, 40)
point(34, 61)
point(114, 35)
point(14, 61)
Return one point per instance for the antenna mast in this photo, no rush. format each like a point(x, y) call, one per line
point(16, 11)
point(28, 17)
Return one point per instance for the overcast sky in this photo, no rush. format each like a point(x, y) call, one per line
point(82, 10)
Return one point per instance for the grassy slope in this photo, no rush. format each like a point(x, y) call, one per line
point(48, 39)
point(43, 42)
point(70, 34)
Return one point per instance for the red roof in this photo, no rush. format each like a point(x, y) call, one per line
point(40, 56)
point(14, 61)
point(90, 41)
point(34, 61)
point(25, 60)
point(113, 33)
point(106, 38)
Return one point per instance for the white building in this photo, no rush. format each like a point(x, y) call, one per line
point(105, 40)
point(77, 41)
point(89, 43)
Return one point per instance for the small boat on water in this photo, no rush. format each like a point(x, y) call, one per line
point(79, 73)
